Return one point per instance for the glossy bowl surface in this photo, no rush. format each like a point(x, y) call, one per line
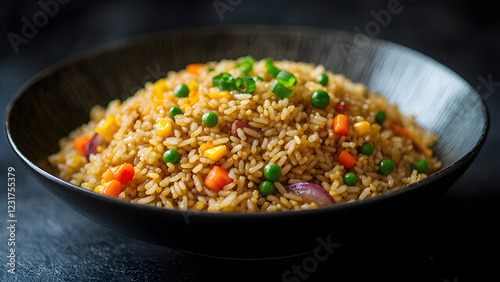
point(58, 99)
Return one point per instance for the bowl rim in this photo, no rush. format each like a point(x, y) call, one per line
point(186, 32)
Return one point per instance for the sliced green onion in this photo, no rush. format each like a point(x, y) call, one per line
point(268, 61)
point(225, 82)
point(210, 69)
point(246, 82)
point(217, 78)
point(255, 78)
point(245, 64)
point(286, 78)
point(280, 90)
point(227, 85)
point(271, 69)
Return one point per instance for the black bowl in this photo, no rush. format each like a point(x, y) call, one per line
point(58, 100)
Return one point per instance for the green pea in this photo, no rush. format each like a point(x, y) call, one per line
point(350, 179)
point(181, 90)
point(322, 79)
point(385, 167)
point(171, 156)
point(320, 99)
point(266, 188)
point(366, 149)
point(421, 166)
point(272, 172)
point(210, 119)
point(380, 117)
point(174, 111)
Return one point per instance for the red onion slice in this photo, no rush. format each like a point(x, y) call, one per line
point(311, 192)
point(237, 124)
point(94, 142)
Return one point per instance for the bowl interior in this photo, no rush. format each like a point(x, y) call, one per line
point(59, 99)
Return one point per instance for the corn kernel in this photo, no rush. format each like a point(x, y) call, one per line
point(219, 95)
point(131, 109)
point(100, 149)
point(164, 127)
point(192, 86)
point(216, 153)
point(74, 161)
point(108, 129)
point(160, 87)
point(362, 127)
point(194, 97)
point(157, 101)
point(204, 147)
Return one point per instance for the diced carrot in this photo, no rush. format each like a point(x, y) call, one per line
point(194, 68)
point(107, 176)
point(193, 97)
point(346, 159)
point(123, 173)
point(399, 130)
point(80, 144)
point(418, 143)
point(217, 178)
point(111, 188)
point(340, 125)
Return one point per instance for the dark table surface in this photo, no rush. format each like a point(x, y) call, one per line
point(455, 239)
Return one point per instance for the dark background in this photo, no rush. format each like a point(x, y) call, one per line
point(456, 239)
